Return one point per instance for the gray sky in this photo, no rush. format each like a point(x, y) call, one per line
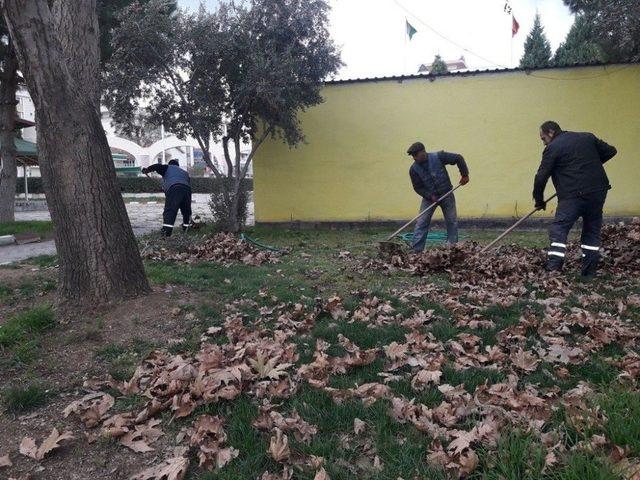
point(371, 33)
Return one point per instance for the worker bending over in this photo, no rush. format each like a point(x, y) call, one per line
point(177, 190)
point(430, 180)
point(574, 161)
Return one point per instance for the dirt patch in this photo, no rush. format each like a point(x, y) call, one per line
point(68, 356)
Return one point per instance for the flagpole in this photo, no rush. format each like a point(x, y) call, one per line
point(406, 48)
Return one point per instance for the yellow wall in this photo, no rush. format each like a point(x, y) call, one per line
point(354, 166)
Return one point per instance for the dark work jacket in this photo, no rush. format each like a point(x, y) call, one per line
point(431, 178)
point(171, 175)
point(574, 161)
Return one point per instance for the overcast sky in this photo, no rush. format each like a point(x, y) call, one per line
point(373, 40)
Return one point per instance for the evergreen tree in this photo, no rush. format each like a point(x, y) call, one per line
point(616, 26)
point(438, 66)
point(579, 46)
point(537, 50)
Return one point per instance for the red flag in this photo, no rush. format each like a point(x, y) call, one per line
point(515, 26)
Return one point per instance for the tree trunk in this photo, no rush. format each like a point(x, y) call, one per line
point(8, 167)
point(73, 35)
point(234, 220)
point(99, 257)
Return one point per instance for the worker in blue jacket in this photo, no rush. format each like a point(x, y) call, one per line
point(430, 180)
point(177, 190)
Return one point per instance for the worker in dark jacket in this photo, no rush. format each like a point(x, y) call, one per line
point(177, 190)
point(430, 180)
point(574, 161)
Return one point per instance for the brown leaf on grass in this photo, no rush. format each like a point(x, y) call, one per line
point(525, 360)
point(358, 426)
point(424, 378)
point(395, 350)
point(225, 455)
point(268, 367)
point(279, 446)
point(5, 461)
point(468, 462)
point(335, 308)
point(321, 475)
point(462, 440)
point(29, 448)
point(170, 469)
point(557, 353)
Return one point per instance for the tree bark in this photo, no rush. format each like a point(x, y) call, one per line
point(8, 167)
point(99, 257)
point(73, 35)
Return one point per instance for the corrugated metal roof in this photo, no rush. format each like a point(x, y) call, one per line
point(469, 73)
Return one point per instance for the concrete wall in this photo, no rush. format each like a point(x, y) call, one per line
point(354, 166)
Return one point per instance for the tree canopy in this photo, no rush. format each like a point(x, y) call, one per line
point(537, 50)
point(438, 66)
point(580, 45)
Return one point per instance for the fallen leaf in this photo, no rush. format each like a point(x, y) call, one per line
point(358, 426)
point(5, 461)
point(279, 446)
point(29, 449)
point(321, 475)
point(170, 469)
point(525, 360)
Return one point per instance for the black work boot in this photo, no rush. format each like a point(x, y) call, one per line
point(166, 231)
point(554, 264)
point(590, 261)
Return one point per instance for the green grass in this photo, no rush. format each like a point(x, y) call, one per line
point(622, 410)
point(42, 261)
point(42, 228)
point(582, 466)
point(22, 399)
point(517, 457)
point(24, 326)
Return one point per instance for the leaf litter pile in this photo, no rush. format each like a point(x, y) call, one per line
point(266, 352)
point(224, 248)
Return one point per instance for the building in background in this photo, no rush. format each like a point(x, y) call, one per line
point(459, 65)
point(130, 155)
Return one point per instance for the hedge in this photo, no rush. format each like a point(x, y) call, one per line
point(139, 185)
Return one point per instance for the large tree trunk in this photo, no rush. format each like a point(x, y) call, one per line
point(8, 168)
point(99, 257)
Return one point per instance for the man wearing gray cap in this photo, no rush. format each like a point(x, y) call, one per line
point(430, 180)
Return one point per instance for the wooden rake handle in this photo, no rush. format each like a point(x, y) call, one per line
point(433, 205)
point(515, 225)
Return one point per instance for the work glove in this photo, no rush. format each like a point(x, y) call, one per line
point(464, 180)
point(541, 205)
point(434, 199)
point(145, 170)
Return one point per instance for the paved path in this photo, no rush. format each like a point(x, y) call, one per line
point(145, 218)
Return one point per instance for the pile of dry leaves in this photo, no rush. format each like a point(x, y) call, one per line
point(620, 253)
point(224, 248)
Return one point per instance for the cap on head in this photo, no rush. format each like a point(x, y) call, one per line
point(415, 148)
point(174, 162)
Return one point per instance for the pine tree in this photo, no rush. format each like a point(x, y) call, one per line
point(438, 67)
point(537, 50)
point(579, 46)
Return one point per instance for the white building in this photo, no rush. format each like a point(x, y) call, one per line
point(459, 65)
point(187, 152)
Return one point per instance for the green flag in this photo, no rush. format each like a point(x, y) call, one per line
point(410, 30)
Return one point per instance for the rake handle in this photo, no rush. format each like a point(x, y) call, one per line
point(513, 227)
point(433, 205)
